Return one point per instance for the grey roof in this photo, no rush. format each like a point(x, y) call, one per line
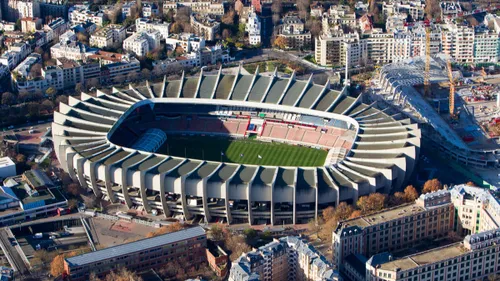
point(136, 246)
point(276, 91)
point(207, 86)
point(327, 100)
point(293, 93)
point(310, 96)
point(224, 86)
point(259, 88)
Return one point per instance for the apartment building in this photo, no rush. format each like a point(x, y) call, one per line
point(458, 42)
point(31, 24)
point(287, 258)
point(80, 14)
point(476, 257)
point(414, 9)
point(54, 9)
point(69, 47)
point(188, 245)
point(199, 7)
point(21, 200)
point(380, 46)
point(110, 36)
point(144, 24)
point(253, 27)
point(188, 41)
point(16, 53)
point(141, 43)
point(293, 30)
point(418, 40)
point(150, 10)
point(113, 65)
point(339, 15)
point(205, 26)
point(128, 8)
point(55, 28)
point(17, 9)
point(430, 216)
point(486, 45)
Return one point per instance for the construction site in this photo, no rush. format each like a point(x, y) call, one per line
point(457, 109)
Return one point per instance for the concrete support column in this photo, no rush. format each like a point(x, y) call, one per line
point(124, 188)
point(185, 210)
point(107, 182)
point(144, 196)
point(93, 180)
point(249, 194)
point(163, 198)
point(208, 217)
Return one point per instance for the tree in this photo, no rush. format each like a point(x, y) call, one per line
point(371, 203)
point(57, 266)
point(315, 26)
point(411, 193)
point(83, 38)
point(146, 74)
point(73, 189)
point(328, 213)
point(93, 82)
point(175, 28)
point(397, 199)
point(280, 42)
point(122, 274)
point(51, 92)
point(236, 245)
point(78, 88)
point(277, 7)
point(343, 211)
point(183, 15)
point(250, 233)
point(217, 232)
point(431, 186)
point(8, 98)
point(61, 99)
point(276, 18)
point(47, 105)
point(115, 14)
point(20, 158)
point(226, 33)
point(176, 226)
point(39, 50)
point(432, 9)
point(303, 7)
point(355, 214)
point(72, 204)
point(229, 17)
point(35, 70)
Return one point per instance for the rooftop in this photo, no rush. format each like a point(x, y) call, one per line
point(429, 257)
point(136, 246)
point(385, 215)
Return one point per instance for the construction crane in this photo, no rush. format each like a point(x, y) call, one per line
point(453, 115)
point(427, 72)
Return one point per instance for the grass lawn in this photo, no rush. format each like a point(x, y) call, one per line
point(273, 154)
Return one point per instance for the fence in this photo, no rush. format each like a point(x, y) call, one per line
point(155, 224)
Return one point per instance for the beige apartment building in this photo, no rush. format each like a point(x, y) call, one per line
point(475, 213)
point(205, 26)
point(289, 258)
point(430, 216)
point(110, 36)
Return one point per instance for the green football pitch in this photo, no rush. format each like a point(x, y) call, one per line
point(245, 151)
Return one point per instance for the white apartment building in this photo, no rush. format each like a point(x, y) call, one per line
point(418, 40)
point(253, 27)
point(18, 9)
point(143, 42)
point(199, 7)
point(338, 15)
point(395, 22)
point(144, 24)
point(188, 41)
point(115, 65)
point(486, 45)
point(24, 82)
point(415, 9)
point(205, 26)
point(55, 29)
point(380, 46)
point(401, 46)
point(127, 9)
point(69, 47)
point(458, 41)
point(150, 9)
point(110, 36)
point(16, 53)
point(80, 14)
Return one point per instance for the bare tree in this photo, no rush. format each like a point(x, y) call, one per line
point(303, 7)
point(36, 70)
point(183, 15)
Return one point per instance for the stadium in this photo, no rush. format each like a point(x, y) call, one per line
point(233, 148)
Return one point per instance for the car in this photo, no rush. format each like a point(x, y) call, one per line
point(10, 127)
